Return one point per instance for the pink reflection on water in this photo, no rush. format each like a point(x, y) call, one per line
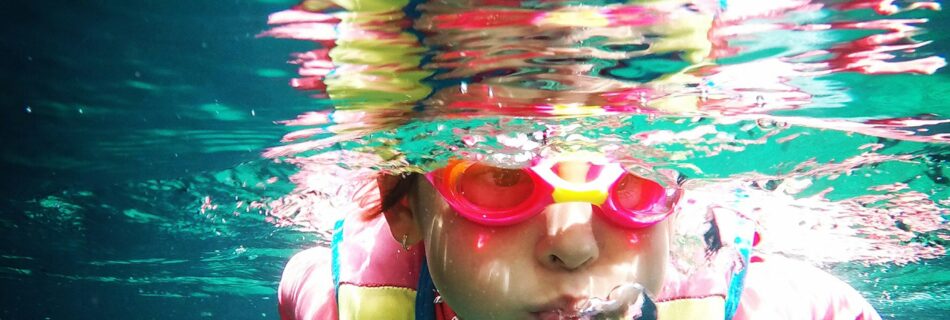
point(496, 58)
point(513, 16)
point(489, 62)
point(887, 7)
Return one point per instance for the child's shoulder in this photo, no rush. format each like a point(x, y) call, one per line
point(306, 289)
point(781, 288)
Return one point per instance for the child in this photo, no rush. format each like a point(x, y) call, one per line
point(569, 236)
point(566, 239)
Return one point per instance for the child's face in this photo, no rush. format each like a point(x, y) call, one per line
point(546, 264)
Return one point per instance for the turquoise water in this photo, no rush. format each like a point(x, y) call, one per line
point(119, 118)
point(132, 141)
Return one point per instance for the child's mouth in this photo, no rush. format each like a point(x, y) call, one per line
point(629, 299)
point(566, 307)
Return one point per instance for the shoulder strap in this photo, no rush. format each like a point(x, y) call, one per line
point(335, 244)
point(742, 234)
point(425, 294)
point(743, 243)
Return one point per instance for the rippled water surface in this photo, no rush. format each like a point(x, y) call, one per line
point(158, 165)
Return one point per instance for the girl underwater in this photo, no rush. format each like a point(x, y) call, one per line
point(545, 225)
point(566, 239)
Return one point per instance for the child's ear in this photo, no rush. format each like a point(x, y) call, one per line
point(399, 216)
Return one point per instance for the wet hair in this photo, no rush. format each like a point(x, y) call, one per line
point(712, 238)
point(399, 191)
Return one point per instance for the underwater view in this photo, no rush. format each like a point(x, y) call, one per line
point(166, 159)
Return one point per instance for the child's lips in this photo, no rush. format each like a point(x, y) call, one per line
point(565, 307)
point(573, 307)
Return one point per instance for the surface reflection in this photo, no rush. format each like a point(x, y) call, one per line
point(685, 83)
point(570, 58)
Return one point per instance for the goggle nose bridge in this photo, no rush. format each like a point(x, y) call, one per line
point(594, 191)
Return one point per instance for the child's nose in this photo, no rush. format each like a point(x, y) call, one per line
point(569, 242)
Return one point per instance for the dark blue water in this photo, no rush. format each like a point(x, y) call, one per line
point(118, 118)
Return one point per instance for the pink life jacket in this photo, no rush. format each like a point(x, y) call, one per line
point(374, 278)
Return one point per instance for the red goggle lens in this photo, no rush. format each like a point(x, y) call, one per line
point(495, 188)
point(632, 193)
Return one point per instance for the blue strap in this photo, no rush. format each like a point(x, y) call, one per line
point(745, 233)
point(735, 292)
point(425, 294)
point(335, 244)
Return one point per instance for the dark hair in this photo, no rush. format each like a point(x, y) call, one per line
point(398, 191)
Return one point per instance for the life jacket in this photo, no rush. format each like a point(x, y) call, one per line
point(375, 278)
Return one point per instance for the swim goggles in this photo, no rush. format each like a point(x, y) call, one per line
point(495, 196)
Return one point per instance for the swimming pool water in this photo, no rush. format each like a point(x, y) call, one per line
point(132, 134)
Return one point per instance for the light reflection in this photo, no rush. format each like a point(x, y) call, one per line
point(563, 217)
point(497, 272)
point(633, 239)
point(481, 241)
point(666, 57)
point(742, 82)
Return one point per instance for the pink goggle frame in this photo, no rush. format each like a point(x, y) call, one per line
point(496, 196)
